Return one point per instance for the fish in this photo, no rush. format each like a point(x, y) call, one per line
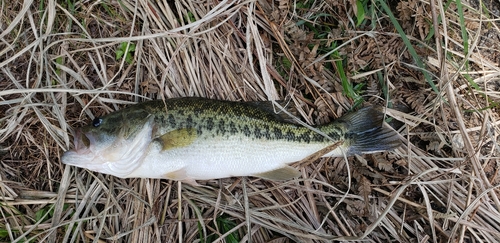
point(190, 138)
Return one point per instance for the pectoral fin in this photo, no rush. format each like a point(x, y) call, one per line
point(180, 175)
point(177, 175)
point(177, 138)
point(284, 173)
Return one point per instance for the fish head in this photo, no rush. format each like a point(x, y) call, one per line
point(114, 144)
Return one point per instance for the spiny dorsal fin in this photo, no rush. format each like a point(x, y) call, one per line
point(284, 173)
point(177, 138)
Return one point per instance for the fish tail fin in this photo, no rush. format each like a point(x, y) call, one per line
point(365, 132)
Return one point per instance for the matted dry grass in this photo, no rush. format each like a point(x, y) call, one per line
point(58, 70)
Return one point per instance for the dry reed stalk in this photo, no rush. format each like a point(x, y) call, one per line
point(59, 70)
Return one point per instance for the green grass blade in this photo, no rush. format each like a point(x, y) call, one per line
point(463, 29)
point(408, 44)
point(360, 15)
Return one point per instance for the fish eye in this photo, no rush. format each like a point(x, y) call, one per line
point(97, 122)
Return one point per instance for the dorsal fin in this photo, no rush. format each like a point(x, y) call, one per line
point(275, 111)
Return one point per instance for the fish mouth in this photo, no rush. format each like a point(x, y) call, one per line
point(82, 141)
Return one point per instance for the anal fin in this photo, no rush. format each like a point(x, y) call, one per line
point(284, 173)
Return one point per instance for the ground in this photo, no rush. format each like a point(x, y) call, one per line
point(432, 65)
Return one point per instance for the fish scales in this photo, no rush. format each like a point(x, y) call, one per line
point(222, 118)
point(196, 138)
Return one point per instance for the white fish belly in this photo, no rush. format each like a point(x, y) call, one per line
point(223, 157)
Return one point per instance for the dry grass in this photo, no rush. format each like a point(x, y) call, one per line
point(58, 70)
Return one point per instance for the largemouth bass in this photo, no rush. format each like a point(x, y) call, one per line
point(197, 139)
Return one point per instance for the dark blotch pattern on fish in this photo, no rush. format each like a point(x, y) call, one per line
point(232, 128)
point(225, 118)
point(221, 127)
point(210, 124)
point(171, 120)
